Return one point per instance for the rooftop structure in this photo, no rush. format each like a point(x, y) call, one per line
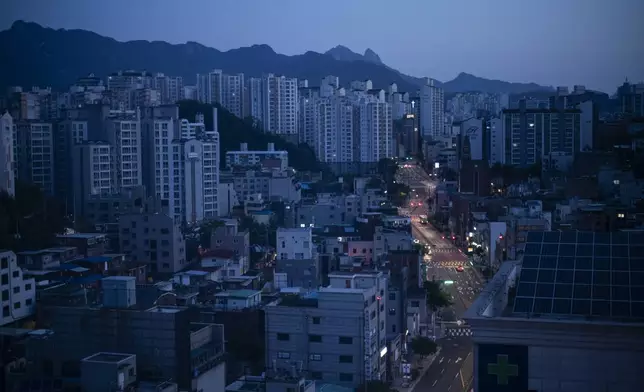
point(575, 302)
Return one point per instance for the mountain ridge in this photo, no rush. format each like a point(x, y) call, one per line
point(41, 56)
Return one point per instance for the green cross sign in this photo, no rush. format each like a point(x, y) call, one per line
point(502, 369)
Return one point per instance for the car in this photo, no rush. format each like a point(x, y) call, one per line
point(460, 268)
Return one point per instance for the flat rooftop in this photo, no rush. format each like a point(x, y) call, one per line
point(242, 294)
point(165, 309)
point(108, 357)
point(570, 277)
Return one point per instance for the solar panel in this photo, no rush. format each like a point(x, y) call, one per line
point(582, 274)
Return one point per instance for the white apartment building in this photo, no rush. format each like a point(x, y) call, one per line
point(233, 94)
point(92, 165)
point(7, 164)
point(334, 136)
point(18, 295)
point(35, 148)
point(210, 87)
point(432, 109)
point(294, 244)
point(192, 130)
point(200, 179)
point(281, 104)
point(375, 132)
point(170, 88)
point(246, 158)
point(122, 83)
point(308, 118)
point(124, 134)
point(361, 85)
point(256, 98)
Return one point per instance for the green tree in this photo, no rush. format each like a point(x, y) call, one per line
point(423, 346)
point(206, 230)
point(30, 220)
point(234, 130)
point(375, 386)
point(260, 234)
point(436, 297)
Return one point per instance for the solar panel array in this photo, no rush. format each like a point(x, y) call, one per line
point(582, 274)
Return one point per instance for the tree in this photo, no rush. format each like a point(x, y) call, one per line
point(423, 346)
point(206, 230)
point(375, 386)
point(436, 297)
point(234, 130)
point(30, 220)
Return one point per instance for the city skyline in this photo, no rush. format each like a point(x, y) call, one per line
point(614, 57)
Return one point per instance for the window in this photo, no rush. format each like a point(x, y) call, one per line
point(346, 377)
point(16, 289)
point(16, 305)
point(393, 328)
point(5, 279)
point(5, 311)
point(28, 287)
point(283, 337)
point(392, 296)
point(5, 263)
point(415, 304)
point(5, 295)
point(345, 340)
point(315, 357)
point(346, 359)
point(15, 274)
point(316, 375)
point(315, 320)
point(283, 355)
point(28, 302)
point(315, 338)
point(392, 311)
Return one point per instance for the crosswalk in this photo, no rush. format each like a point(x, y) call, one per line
point(458, 331)
point(447, 264)
point(445, 250)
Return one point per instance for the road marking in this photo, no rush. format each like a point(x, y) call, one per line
point(441, 359)
point(462, 381)
point(459, 359)
point(434, 384)
point(449, 387)
point(442, 371)
point(456, 376)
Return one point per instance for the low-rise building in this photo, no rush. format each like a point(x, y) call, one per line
point(18, 293)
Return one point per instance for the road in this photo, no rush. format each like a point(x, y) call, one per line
point(420, 183)
point(453, 370)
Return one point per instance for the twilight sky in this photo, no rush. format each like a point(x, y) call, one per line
point(550, 42)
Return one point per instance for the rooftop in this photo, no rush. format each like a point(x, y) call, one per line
point(81, 235)
point(165, 309)
point(243, 294)
point(309, 300)
point(573, 277)
point(108, 357)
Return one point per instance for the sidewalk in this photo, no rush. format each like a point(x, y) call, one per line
point(426, 363)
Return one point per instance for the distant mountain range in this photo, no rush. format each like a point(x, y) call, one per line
point(33, 55)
